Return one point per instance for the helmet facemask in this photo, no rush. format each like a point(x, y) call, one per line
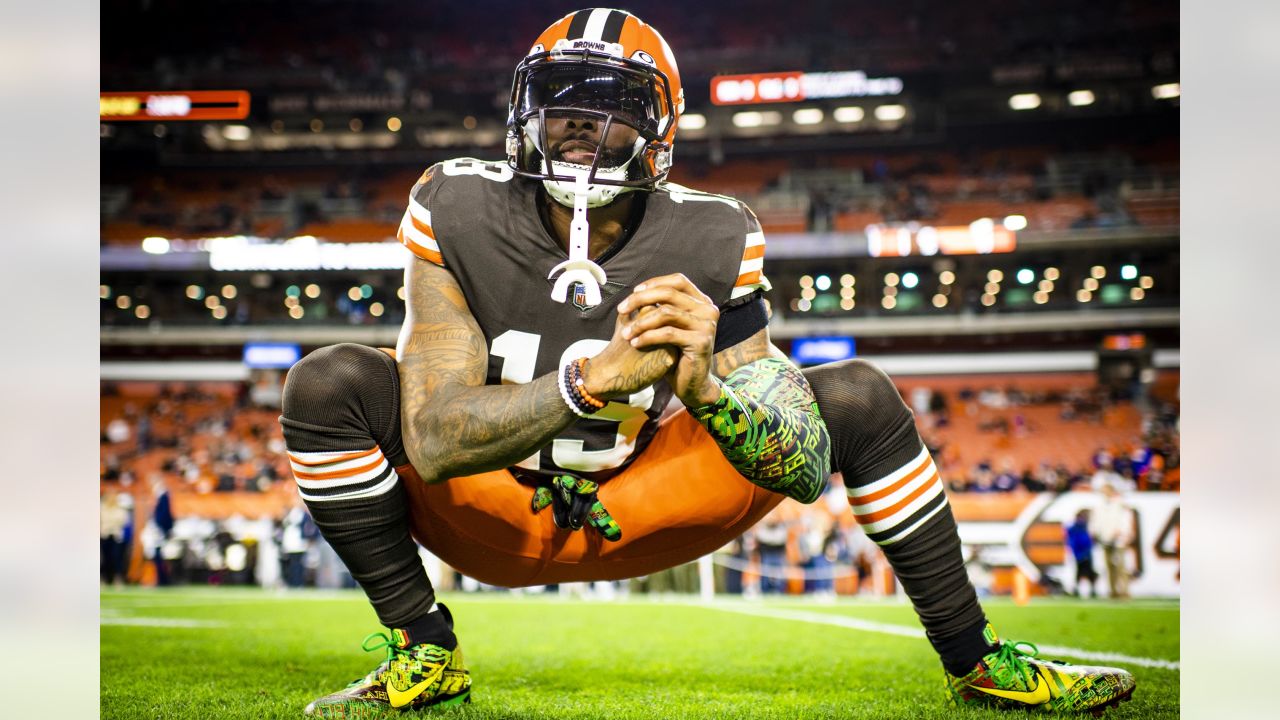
point(619, 98)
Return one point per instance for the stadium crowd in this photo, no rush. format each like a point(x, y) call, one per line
point(212, 454)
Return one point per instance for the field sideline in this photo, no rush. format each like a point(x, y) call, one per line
point(241, 653)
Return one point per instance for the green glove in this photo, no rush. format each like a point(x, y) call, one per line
point(573, 501)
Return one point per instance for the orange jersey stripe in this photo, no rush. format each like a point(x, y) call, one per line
point(753, 252)
point(338, 473)
point(420, 251)
point(882, 514)
point(749, 278)
point(422, 227)
point(886, 492)
point(334, 459)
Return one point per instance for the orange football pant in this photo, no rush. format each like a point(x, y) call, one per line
point(679, 500)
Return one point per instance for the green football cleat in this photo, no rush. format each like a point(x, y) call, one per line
point(411, 678)
point(1014, 678)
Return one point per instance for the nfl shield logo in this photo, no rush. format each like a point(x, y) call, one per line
point(579, 296)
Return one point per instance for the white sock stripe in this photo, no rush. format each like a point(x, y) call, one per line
point(889, 479)
point(914, 525)
point(906, 512)
point(337, 466)
point(750, 265)
point(895, 497)
point(379, 489)
point(745, 290)
point(338, 482)
point(755, 238)
point(595, 24)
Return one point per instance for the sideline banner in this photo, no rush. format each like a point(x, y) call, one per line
point(1027, 532)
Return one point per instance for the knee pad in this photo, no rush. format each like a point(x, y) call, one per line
point(346, 392)
point(872, 430)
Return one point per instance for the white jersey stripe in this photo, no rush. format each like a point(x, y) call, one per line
point(755, 238)
point(887, 480)
point(595, 24)
point(417, 236)
point(419, 212)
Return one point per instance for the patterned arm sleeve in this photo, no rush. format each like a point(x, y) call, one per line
point(768, 426)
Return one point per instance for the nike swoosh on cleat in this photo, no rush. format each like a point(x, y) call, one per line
point(400, 698)
point(1037, 695)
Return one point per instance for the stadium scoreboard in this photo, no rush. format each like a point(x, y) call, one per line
point(166, 105)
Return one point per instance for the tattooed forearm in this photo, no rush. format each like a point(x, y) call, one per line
point(453, 425)
point(767, 424)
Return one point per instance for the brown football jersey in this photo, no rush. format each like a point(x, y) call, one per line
point(481, 223)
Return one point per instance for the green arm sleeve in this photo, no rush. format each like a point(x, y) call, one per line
point(767, 424)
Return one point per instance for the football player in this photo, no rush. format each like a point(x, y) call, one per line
point(557, 303)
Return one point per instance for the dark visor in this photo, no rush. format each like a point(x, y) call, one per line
point(628, 96)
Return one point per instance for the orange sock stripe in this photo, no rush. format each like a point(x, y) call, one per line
point(335, 458)
point(748, 278)
point(753, 252)
point(882, 514)
point(339, 473)
point(886, 492)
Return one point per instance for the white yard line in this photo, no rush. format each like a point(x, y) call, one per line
point(160, 622)
point(911, 632)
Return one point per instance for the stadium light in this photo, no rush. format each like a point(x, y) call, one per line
point(1026, 276)
point(1129, 272)
point(1137, 293)
point(1015, 223)
point(891, 113)
point(752, 118)
point(849, 114)
point(236, 132)
point(807, 116)
point(1024, 101)
point(947, 277)
point(823, 282)
point(394, 124)
point(939, 300)
point(693, 121)
point(1080, 98)
point(910, 280)
point(155, 245)
point(1167, 91)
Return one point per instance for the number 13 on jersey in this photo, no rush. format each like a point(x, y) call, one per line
point(519, 353)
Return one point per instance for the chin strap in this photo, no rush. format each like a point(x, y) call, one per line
point(578, 268)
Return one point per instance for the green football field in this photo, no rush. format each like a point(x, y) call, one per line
point(237, 653)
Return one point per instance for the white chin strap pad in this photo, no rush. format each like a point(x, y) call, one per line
point(578, 268)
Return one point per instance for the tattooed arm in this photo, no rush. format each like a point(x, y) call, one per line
point(766, 420)
point(762, 414)
point(453, 424)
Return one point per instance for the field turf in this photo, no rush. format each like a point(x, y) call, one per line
point(237, 653)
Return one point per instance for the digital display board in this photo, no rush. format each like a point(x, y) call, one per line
point(166, 105)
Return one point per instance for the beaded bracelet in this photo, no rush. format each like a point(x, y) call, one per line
point(579, 384)
point(579, 406)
